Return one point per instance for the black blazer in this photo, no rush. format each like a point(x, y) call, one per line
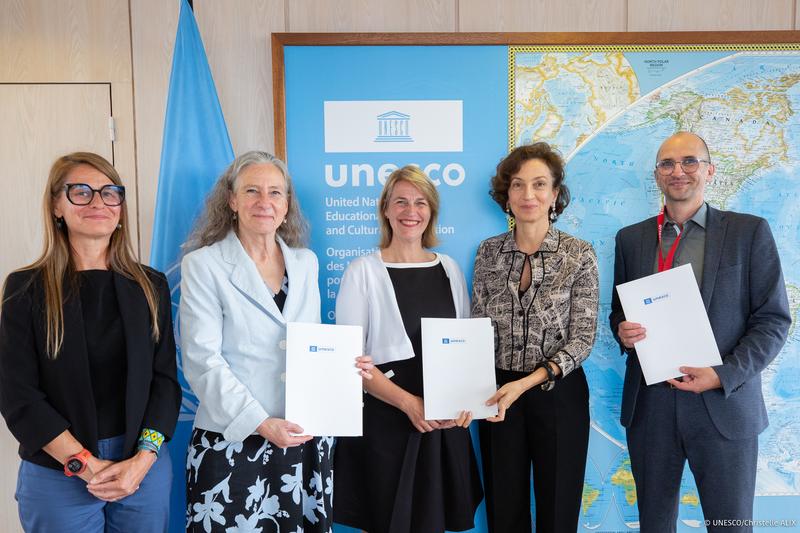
point(41, 397)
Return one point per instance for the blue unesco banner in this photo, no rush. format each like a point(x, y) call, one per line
point(355, 113)
point(388, 107)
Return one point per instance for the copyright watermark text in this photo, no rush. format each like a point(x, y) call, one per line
point(727, 522)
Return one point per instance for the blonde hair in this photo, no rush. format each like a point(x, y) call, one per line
point(416, 177)
point(217, 218)
point(56, 262)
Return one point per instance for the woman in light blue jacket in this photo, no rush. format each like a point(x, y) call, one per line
point(245, 277)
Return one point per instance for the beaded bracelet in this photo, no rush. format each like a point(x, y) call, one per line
point(150, 440)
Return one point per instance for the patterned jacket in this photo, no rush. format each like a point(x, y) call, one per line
point(556, 318)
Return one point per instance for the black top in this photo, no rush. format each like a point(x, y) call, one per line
point(280, 297)
point(395, 479)
point(420, 292)
point(42, 396)
point(105, 346)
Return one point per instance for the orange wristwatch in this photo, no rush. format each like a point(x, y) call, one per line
point(76, 464)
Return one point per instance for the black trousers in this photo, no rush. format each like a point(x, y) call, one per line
point(549, 432)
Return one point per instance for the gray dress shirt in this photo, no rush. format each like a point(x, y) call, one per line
point(692, 245)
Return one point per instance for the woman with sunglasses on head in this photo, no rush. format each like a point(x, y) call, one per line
point(87, 364)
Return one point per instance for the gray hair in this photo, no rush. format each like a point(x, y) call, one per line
point(216, 220)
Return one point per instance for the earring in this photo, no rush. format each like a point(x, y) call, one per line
point(119, 226)
point(59, 222)
point(510, 219)
point(235, 216)
point(553, 215)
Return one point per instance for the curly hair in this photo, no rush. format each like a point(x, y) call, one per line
point(512, 163)
point(217, 217)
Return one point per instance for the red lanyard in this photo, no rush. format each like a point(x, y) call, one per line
point(666, 264)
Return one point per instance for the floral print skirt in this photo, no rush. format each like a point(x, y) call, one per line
point(254, 486)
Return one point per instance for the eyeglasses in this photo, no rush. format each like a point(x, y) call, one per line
point(688, 164)
point(82, 194)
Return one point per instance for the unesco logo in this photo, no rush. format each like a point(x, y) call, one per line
point(654, 299)
point(393, 127)
point(315, 349)
point(446, 340)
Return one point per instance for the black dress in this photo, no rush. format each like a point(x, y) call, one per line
point(395, 479)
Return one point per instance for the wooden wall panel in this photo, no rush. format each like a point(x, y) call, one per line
point(371, 15)
point(9, 517)
point(153, 23)
point(239, 51)
point(796, 14)
point(38, 123)
point(709, 15)
point(75, 41)
point(78, 40)
point(542, 15)
point(125, 152)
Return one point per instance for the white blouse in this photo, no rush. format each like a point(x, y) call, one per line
point(366, 298)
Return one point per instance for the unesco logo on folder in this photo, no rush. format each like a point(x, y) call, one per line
point(654, 299)
point(315, 349)
point(446, 340)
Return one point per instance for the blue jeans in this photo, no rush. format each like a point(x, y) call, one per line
point(49, 501)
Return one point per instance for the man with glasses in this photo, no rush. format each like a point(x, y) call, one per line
point(713, 415)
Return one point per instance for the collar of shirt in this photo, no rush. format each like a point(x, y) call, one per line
point(700, 216)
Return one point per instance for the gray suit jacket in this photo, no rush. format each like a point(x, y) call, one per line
point(745, 296)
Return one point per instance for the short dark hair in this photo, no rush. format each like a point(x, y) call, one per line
point(511, 164)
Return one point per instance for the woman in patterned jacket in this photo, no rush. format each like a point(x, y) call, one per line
point(539, 286)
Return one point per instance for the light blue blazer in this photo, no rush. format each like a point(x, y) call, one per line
point(233, 337)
